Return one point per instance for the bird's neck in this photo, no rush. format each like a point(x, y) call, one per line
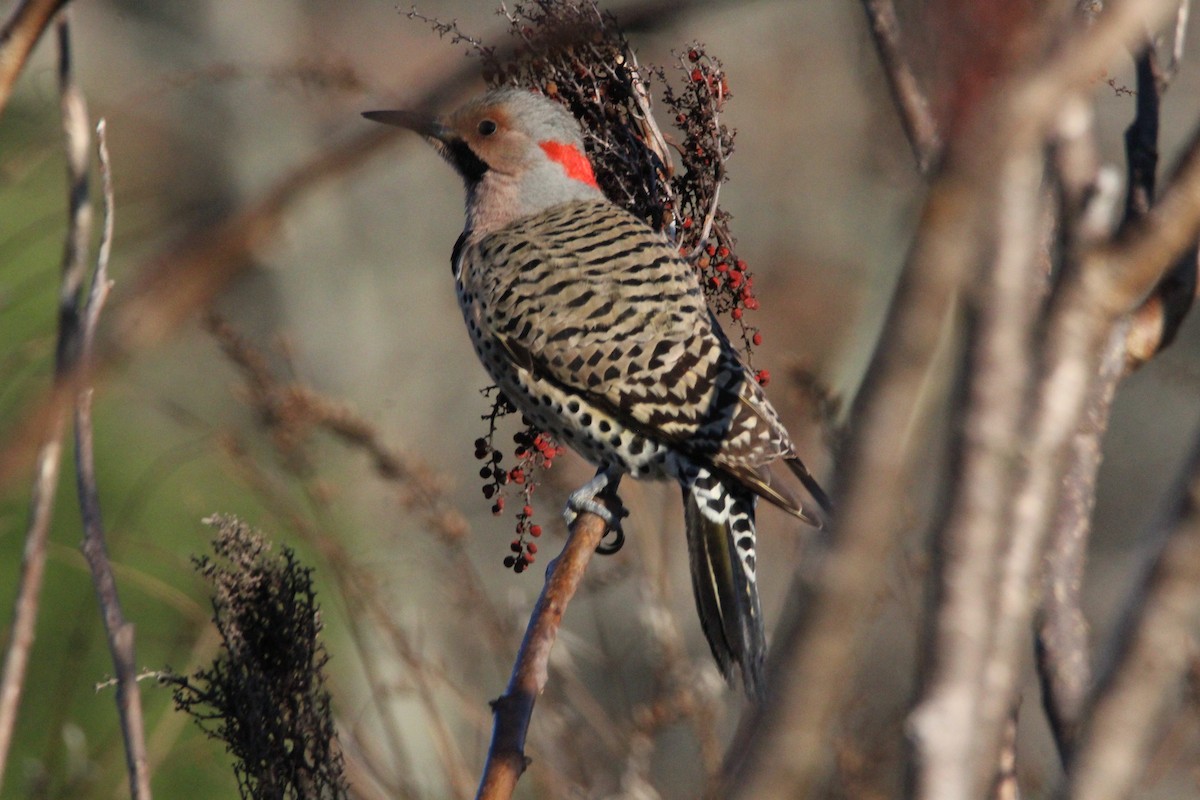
point(499, 199)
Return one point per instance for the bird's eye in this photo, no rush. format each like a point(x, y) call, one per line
point(487, 127)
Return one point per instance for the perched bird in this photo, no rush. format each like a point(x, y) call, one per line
point(591, 323)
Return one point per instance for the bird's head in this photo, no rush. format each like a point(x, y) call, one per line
point(518, 153)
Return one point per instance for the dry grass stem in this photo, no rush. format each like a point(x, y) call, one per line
point(77, 139)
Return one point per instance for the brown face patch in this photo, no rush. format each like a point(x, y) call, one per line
point(502, 148)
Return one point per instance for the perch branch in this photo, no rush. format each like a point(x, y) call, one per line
point(506, 759)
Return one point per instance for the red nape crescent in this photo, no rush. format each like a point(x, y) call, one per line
point(574, 162)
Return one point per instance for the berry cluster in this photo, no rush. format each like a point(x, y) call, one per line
point(702, 227)
point(533, 451)
point(575, 53)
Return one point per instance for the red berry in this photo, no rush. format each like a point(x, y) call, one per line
point(693, 55)
point(757, 339)
point(697, 75)
point(532, 548)
point(763, 377)
point(751, 303)
point(736, 313)
point(535, 530)
point(527, 511)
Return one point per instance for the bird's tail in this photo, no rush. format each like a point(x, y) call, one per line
point(719, 515)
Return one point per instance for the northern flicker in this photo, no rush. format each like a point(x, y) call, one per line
point(591, 323)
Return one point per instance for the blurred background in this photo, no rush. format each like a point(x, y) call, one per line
point(238, 122)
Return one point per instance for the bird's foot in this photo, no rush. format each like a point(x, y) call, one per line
point(584, 499)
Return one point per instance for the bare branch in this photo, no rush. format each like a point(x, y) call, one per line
point(779, 750)
point(915, 113)
point(1080, 321)
point(1121, 274)
point(1157, 641)
point(955, 752)
point(506, 759)
point(1062, 633)
point(1156, 323)
point(17, 38)
point(1141, 137)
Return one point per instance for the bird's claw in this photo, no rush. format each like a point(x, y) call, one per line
point(584, 500)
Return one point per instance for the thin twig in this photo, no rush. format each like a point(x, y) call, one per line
point(119, 630)
point(74, 267)
point(506, 759)
point(915, 114)
point(33, 565)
